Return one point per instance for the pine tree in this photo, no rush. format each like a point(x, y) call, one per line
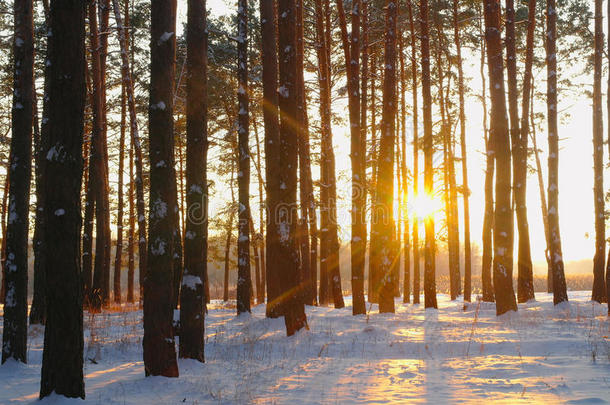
point(272, 143)
point(430, 247)
point(599, 291)
point(244, 280)
point(559, 282)
point(383, 239)
point(14, 337)
point(192, 298)
point(416, 261)
point(292, 305)
point(500, 136)
point(158, 342)
point(62, 358)
point(465, 189)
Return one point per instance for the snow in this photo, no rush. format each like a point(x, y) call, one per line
point(191, 281)
point(539, 354)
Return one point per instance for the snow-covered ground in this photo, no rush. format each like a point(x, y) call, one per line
point(454, 354)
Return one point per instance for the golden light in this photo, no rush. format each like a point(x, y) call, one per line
point(423, 206)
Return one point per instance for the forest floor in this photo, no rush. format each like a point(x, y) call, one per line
point(454, 354)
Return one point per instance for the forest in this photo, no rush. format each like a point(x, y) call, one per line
point(321, 201)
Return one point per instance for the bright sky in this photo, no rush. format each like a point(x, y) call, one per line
point(575, 171)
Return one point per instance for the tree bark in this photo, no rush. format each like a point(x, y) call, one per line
point(383, 238)
point(465, 188)
point(272, 143)
point(416, 260)
point(14, 337)
point(525, 284)
point(559, 282)
point(430, 247)
point(500, 136)
point(244, 279)
point(599, 290)
point(118, 255)
point(292, 305)
point(135, 143)
point(158, 342)
point(62, 359)
point(488, 215)
point(192, 297)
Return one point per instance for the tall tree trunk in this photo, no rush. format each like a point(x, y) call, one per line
point(118, 255)
point(404, 183)
point(351, 46)
point(14, 337)
point(292, 305)
point(521, 169)
point(97, 172)
point(260, 291)
point(416, 275)
point(227, 258)
point(500, 136)
point(305, 180)
point(159, 346)
point(525, 285)
point(192, 297)
point(272, 145)
point(383, 239)
point(244, 279)
point(364, 83)
point(465, 189)
point(559, 282)
point(131, 234)
point(62, 358)
point(599, 290)
point(430, 247)
point(37, 311)
point(488, 214)
point(608, 108)
point(135, 143)
point(325, 118)
point(3, 222)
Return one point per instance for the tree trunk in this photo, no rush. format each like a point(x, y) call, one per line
point(244, 279)
point(465, 189)
point(500, 137)
point(118, 255)
point(62, 359)
point(325, 119)
point(192, 297)
point(260, 289)
point(135, 143)
point(305, 180)
point(37, 311)
point(364, 83)
point(488, 215)
point(525, 285)
point(599, 290)
point(159, 349)
point(416, 275)
point(404, 182)
point(292, 305)
point(430, 247)
point(130, 238)
point(272, 143)
point(383, 238)
point(14, 337)
point(97, 170)
point(559, 282)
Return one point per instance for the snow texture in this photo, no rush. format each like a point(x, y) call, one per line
point(541, 354)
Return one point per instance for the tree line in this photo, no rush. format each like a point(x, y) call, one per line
point(284, 67)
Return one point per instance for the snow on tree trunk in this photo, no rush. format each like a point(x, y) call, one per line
point(14, 337)
point(500, 136)
point(192, 296)
point(559, 282)
point(292, 306)
point(158, 342)
point(62, 359)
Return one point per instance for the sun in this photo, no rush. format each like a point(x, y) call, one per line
point(423, 206)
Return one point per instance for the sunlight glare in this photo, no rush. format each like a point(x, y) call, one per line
point(423, 206)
